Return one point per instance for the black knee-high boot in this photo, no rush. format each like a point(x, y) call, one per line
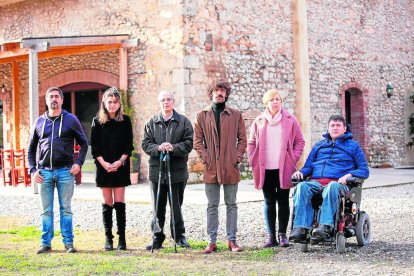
point(121, 222)
point(107, 222)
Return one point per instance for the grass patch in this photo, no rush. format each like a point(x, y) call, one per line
point(264, 255)
point(19, 245)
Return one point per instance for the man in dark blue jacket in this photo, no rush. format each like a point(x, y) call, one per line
point(52, 165)
point(329, 164)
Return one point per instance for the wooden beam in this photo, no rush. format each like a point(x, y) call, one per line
point(75, 40)
point(123, 69)
point(302, 81)
point(13, 53)
point(16, 105)
point(10, 46)
point(59, 52)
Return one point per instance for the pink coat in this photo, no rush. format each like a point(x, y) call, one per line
point(291, 150)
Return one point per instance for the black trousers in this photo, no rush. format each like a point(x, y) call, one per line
point(272, 193)
point(177, 197)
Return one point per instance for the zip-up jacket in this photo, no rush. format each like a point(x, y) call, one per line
point(179, 133)
point(52, 140)
point(334, 159)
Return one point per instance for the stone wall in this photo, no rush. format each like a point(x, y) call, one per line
point(185, 45)
point(370, 43)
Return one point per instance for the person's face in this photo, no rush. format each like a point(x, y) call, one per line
point(166, 101)
point(274, 104)
point(219, 95)
point(112, 104)
point(336, 129)
point(54, 101)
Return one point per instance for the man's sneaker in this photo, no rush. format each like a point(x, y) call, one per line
point(43, 249)
point(70, 248)
point(322, 233)
point(298, 234)
point(157, 245)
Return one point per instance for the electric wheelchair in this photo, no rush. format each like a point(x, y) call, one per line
point(349, 220)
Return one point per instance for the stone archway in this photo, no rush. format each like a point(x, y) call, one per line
point(353, 105)
point(86, 75)
point(75, 76)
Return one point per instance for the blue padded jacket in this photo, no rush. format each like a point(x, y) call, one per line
point(334, 159)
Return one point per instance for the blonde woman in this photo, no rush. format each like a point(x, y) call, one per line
point(274, 147)
point(111, 140)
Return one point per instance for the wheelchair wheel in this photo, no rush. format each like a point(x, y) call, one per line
point(363, 229)
point(304, 247)
point(340, 243)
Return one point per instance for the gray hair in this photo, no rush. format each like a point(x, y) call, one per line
point(166, 92)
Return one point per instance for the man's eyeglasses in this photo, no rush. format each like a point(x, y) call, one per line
point(166, 100)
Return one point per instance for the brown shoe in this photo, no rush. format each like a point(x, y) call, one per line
point(210, 248)
point(233, 247)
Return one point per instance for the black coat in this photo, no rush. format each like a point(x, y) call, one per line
point(111, 140)
point(179, 132)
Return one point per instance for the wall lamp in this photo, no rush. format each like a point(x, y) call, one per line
point(3, 89)
point(390, 90)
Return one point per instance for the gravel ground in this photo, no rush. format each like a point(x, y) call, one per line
point(391, 251)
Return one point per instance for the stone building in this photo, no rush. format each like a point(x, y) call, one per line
point(329, 57)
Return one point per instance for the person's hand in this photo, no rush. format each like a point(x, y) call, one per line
point(164, 147)
point(75, 169)
point(297, 175)
point(343, 179)
point(114, 166)
point(37, 177)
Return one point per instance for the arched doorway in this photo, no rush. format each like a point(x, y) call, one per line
point(83, 90)
point(353, 104)
point(82, 99)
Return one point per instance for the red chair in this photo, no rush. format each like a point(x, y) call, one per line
point(21, 171)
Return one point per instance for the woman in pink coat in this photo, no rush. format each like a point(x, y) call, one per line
point(274, 147)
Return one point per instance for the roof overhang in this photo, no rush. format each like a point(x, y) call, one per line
point(48, 47)
point(9, 2)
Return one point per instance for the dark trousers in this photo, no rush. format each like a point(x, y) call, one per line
point(272, 193)
point(177, 197)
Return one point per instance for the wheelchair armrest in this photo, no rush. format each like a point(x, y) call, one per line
point(354, 181)
point(295, 181)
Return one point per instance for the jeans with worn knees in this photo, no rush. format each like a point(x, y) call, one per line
point(230, 197)
point(331, 196)
point(64, 182)
point(303, 206)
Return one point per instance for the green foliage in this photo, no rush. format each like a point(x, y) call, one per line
point(129, 110)
point(411, 123)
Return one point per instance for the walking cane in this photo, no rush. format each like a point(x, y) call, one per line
point(167, 157)
point(155, 225)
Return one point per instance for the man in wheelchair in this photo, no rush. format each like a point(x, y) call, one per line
point(331, 162)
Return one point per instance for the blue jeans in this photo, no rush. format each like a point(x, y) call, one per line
point(303, 206)
point(64, 182)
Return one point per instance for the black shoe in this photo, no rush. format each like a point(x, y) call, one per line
point(298, 234)
point(157, 245)
point(43, 249)
point(322, 233)
point(109, 244)
point(121, 243)
point(183, 243)
point(70, 248)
